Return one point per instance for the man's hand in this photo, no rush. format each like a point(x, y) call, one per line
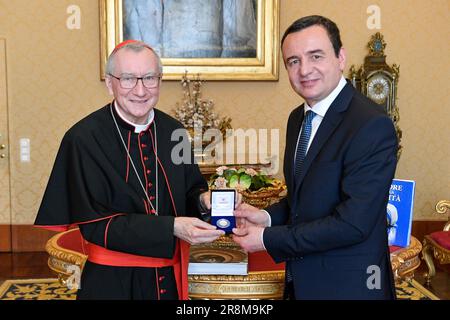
point(247, 215)
point(249, 238)
point(195, 231)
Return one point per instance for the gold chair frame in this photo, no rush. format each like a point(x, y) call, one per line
point(406, 260)
point(432, 249)
point(61, 260)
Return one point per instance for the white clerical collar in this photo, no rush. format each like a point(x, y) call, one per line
point(137, 127)
point(322, 106)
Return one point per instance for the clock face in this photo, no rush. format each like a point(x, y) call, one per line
point(378, 89)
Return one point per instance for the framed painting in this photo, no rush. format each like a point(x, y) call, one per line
point(218, 39)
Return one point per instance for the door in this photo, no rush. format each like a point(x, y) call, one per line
point(5, 191)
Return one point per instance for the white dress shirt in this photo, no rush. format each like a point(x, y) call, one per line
point(320, 109)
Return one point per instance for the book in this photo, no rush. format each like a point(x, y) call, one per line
point(217, 258)
point(400, 212)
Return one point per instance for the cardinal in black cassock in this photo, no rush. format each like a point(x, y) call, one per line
point(119, 184)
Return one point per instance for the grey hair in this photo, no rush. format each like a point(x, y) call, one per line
point(136, 47)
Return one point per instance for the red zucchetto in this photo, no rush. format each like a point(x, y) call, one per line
point(124, 43)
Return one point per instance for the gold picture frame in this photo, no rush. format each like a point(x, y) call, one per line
point(263, 67)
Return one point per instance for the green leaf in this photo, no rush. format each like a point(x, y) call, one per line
point(227, 174)
point(212, 179)
point(234, 180)
point(268, 181)
point(258, 183)
point(245, 181)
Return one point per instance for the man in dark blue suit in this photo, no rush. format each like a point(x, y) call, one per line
point(339, 162)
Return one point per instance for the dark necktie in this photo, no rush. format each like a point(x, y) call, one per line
point(303, 143)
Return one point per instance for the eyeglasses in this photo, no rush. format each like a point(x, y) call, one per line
point(129, 82)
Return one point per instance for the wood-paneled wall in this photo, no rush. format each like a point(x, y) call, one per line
point(23, 238)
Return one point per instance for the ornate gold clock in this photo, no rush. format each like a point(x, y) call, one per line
point(378, 81)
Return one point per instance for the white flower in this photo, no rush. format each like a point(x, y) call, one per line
point(220, 183)
point(220, 170)
point(251, 172)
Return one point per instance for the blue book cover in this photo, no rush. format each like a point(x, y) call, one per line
point(400, 212)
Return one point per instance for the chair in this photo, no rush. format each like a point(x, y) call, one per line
point(66, 254)
point(437, 244)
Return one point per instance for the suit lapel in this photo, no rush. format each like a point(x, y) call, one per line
point(329, 123)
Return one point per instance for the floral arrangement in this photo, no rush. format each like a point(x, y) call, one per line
point(256, 186)
point(196, 113)
point(242, 179)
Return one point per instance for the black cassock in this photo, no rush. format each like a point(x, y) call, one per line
point(93, 185)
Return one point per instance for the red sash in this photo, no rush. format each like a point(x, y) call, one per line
point(179, 262)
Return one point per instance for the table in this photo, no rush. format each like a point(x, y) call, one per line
point(265, 280)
